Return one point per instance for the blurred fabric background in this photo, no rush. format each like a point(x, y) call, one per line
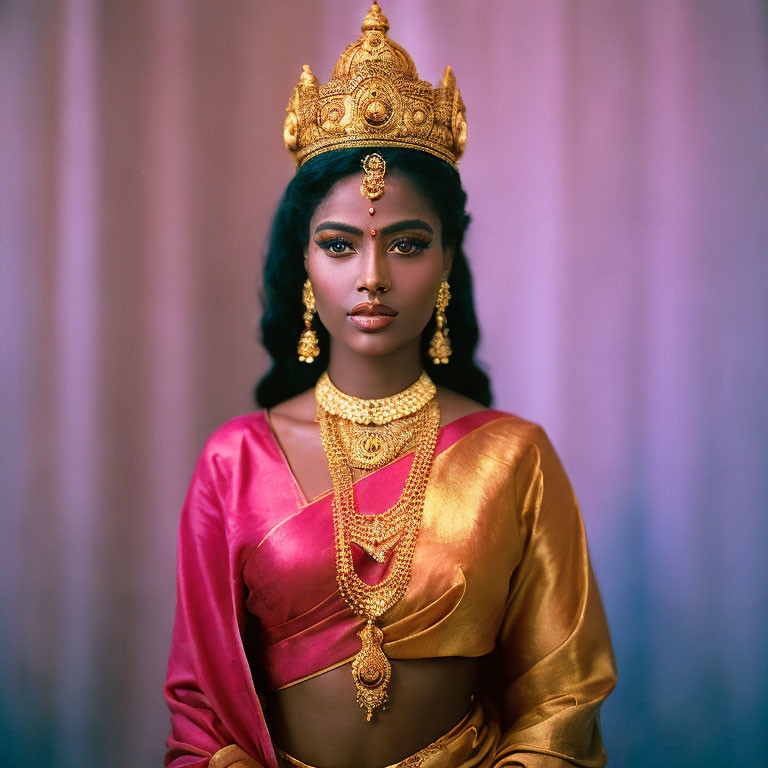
point(617, 171)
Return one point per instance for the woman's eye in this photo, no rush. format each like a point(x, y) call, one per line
point(409, 246)
point(336, 246)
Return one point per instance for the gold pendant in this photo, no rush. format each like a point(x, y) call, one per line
point(371, 446)
point(371, 669)
point(377, 549)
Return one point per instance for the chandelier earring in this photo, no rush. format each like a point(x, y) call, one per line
point(440, 346)
point(309, 348)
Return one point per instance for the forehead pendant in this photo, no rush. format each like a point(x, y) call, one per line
point(374, 168)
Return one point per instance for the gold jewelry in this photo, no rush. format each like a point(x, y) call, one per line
point(375, 167)
point(380, 411)
point(396, 528)
point(440, 346)
point(375, 99)
point(309, 348)
point(372, 447)
point(376, 534)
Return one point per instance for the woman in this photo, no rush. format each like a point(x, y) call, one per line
point(377, 569)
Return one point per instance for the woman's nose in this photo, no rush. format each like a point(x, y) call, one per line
point(374, 272)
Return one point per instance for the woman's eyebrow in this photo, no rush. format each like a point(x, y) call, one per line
point(338, 226)
point(399, 226)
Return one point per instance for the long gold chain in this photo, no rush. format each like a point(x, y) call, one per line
point(397, 527)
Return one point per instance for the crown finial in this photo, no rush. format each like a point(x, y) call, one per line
point(307, 77)
point(375, 19)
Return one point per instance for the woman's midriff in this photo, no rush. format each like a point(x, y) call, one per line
point(319, 721)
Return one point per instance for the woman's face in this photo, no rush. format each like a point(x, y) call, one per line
point(397, 270)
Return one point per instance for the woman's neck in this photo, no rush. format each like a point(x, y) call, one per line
point(374, 376)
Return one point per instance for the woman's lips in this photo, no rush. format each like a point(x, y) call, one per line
point(371, 322)
point(372, 316)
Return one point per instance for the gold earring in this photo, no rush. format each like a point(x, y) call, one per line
point(309, 349)
point(440, 346)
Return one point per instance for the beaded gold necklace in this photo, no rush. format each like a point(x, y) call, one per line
point(396, 528)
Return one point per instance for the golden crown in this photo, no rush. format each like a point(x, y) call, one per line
point(375, 99)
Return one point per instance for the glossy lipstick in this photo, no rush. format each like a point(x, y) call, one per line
point(372, 316)
point(372, 322)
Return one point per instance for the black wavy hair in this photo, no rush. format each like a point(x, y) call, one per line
point(284, 274)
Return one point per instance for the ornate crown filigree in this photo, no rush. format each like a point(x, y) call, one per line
point(375, 99)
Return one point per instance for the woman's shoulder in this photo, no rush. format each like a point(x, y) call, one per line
point(295, 411)
point(511, 438)
point(250, 433)
point(522, 444)
point(237, 426)
point(227, 441)
point(455, 407)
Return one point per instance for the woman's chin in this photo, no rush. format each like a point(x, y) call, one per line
point(372, 344)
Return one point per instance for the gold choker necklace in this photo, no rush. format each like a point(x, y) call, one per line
point(380, 411)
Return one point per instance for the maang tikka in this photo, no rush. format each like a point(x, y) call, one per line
point(440, 346)
point(309, 348)
point(374, 168)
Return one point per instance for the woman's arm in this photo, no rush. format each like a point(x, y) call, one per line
point(553, 651)
point(216, 717)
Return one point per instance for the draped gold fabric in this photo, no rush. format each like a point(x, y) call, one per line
point(501, 516)
point(232, 756)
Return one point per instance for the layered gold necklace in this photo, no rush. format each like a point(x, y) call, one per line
point(365, 435)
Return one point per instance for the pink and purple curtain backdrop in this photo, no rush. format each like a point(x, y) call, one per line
point(617, 169)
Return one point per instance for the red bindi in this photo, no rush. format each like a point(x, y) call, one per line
point(373, 233)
